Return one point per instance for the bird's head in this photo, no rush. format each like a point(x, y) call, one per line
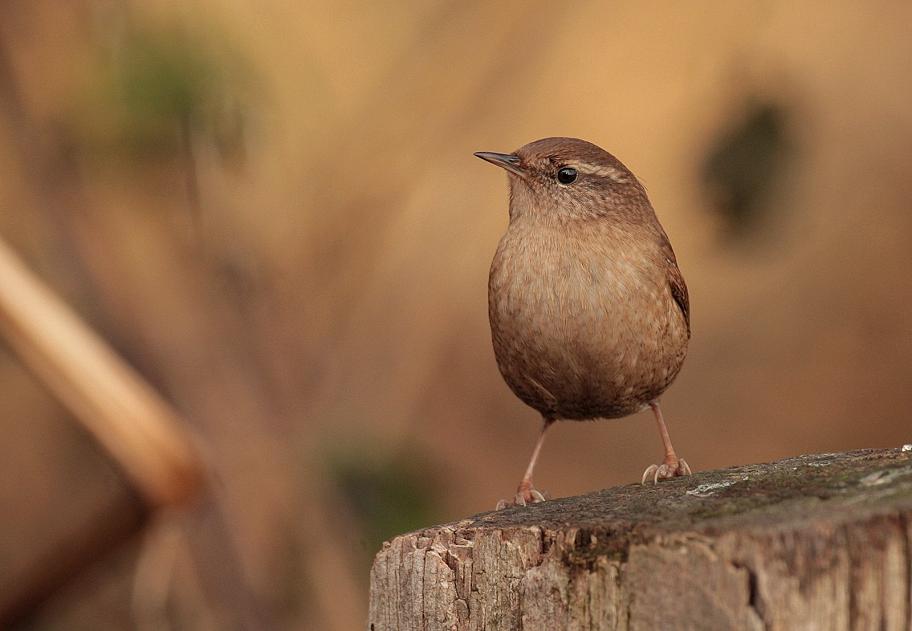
point(568, 178)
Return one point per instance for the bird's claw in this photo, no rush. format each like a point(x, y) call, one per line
point(666, 471)
point(525, 495)
point(537, 496)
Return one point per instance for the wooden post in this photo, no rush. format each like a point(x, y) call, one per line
point(813, 542)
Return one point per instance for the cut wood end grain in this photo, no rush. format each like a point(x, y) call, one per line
point(819, 541)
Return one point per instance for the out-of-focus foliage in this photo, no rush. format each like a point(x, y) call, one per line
point(157, 84)
point(386, 493)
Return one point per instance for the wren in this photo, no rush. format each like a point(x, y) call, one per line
point(590, 316)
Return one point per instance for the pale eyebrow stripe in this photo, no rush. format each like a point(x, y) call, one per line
point(598, 169)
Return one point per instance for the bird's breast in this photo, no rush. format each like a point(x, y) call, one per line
point(583, 324)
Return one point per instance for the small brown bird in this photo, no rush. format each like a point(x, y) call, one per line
point(589, 313)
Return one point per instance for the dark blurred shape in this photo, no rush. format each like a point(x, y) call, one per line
point(745, 164)
point(386, 493)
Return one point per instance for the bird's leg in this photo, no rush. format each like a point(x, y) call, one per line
point(672, 466)
point(525, 492)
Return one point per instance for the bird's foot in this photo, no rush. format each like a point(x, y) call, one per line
point(673, 467)
point(525, 494)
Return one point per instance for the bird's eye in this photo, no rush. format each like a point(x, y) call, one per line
point(567, 175)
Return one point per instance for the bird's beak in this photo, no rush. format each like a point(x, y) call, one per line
point(507, 161)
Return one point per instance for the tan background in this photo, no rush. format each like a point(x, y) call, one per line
point(272, 210)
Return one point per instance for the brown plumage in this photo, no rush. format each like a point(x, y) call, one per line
point(590, 316)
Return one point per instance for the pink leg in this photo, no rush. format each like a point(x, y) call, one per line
point(671, 466)
point(525, 492)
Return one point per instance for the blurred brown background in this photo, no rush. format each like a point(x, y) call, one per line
point(272, 210)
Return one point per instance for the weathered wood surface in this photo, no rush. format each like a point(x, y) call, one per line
point(814, 542)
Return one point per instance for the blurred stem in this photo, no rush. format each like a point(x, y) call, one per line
point(50, 176)
point(154, 575)
point(220, 572)
point(191, 177)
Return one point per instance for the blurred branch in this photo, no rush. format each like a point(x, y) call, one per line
point(114, 404)
point(103, 532)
